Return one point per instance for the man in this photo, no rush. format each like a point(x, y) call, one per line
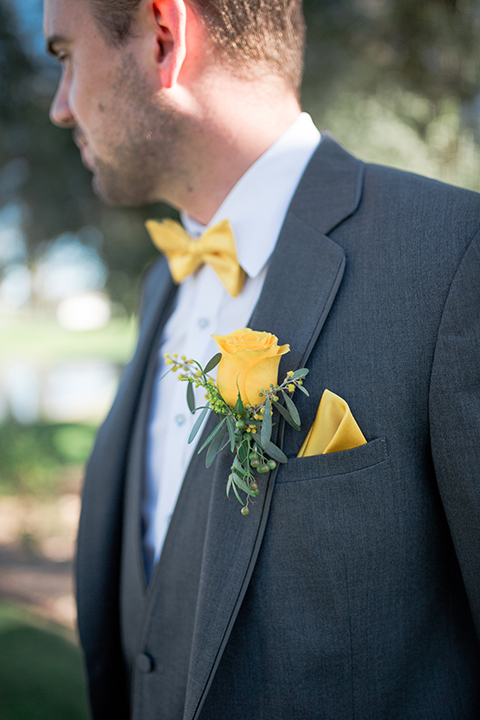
point(351, 590)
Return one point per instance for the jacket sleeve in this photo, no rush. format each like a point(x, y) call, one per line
point(455, 418)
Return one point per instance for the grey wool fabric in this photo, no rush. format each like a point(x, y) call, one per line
point(351, 591)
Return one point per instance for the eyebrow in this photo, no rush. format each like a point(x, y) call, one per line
point(52, 41)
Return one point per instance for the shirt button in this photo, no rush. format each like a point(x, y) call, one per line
point(203, 322)
point(179, 419)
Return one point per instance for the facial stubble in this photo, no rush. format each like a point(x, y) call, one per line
point(140, 164)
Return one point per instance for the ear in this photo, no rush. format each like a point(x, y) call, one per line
point(170, 22)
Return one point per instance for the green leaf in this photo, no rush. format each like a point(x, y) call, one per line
point(284, 413)
point(266, 433)
point(198, 424)
point(229, 485)
point(238, 466)
point(236, 493)
point(213, 362)
point(305, 392)
point(244, 449)
point(214, 448)
point(212, 435)
point(226, 444)
point(302, 372)
point(239, 409)
point(292, 409)
point(231, 433)
point(275, 453)
point(190, 398)
point(242, 485)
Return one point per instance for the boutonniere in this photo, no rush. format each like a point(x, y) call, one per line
point(244, 397)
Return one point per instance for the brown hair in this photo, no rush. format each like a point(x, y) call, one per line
point(270, 33)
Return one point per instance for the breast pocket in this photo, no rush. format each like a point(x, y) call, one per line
point(334, 464)
point(333, 522)
point(338, 501)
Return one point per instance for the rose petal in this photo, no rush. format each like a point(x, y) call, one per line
point(262, 375)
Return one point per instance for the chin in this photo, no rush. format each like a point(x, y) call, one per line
point(124, 184)
point(116, 195)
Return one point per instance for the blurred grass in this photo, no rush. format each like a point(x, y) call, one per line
point(41, 675)
point(43, 340)
point(34, 458)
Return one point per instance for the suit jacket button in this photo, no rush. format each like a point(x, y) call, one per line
point(145, 662)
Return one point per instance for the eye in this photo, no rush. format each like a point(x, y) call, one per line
point(63, 58)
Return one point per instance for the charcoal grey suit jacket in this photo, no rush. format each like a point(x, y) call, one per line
point(352, 590)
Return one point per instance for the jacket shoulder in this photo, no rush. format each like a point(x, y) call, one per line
point(435, 216)
point(407, 186)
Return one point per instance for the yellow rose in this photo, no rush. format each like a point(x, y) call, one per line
point(249, 363)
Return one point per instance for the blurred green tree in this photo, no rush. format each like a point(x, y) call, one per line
point(430, 48)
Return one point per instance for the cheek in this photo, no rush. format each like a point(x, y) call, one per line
point(83, 99)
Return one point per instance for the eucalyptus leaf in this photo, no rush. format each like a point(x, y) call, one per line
point(238, 466)
point(284, 413)
point(212, 435)
point(190, 398)
point(239, 409)
point(231, 433)
point(275, 453)
point(266, 433)
point(292, 409)
point(244, 449)
point(232, 478)
point(243, 485)
point(198, 425)
point(226, 444)
point(302, 372)
point(214, 448)
point(236, 493)
point(213, 362)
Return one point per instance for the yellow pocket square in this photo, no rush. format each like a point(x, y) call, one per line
point(334, 428)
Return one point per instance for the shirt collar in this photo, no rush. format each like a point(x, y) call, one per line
point(257, 205)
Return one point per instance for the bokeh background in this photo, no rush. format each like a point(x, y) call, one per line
point(397, 82)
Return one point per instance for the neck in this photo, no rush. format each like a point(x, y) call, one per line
point(224, 144)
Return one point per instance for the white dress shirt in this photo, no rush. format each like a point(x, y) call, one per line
point(256, 209)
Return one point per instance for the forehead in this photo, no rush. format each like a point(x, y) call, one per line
point(66, 18)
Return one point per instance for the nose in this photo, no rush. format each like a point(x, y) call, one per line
point(60, 111)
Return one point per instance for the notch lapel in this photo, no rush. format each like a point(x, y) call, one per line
point(305, 273)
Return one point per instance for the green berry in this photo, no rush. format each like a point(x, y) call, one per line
point(255, 462)
point(245, 510)
point(240, 424)
point(272, 464)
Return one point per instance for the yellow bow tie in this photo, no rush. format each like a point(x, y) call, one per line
point(216, 247)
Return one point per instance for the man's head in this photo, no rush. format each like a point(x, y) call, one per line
point(250, 35)
point(162, 105)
